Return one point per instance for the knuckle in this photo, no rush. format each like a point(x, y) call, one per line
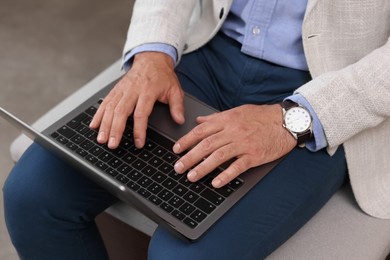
point(220, 155)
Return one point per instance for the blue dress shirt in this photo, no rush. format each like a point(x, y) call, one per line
point(267, 29)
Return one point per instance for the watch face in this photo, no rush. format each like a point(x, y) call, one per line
point(297, 119)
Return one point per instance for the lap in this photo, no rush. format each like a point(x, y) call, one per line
point(268, 215)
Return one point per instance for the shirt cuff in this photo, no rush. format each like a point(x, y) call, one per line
point(319, 141)
point(156, 47)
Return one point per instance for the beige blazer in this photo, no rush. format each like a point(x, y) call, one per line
point(348, 53)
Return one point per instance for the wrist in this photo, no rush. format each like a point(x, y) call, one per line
point(155, 56)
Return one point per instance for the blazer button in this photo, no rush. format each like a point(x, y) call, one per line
point(185, 47)
point(221, 13)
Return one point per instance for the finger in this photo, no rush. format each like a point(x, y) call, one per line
point(176, 106)
point(121, 113)
point(106, 113)
point(239, 166)
point(213, 161)
point(206, 147)
point(202, 119)
point(196, 135)
point(141, 115)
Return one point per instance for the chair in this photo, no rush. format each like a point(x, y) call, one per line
point(340, 230)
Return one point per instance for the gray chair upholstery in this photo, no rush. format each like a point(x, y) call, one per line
point(340, 230)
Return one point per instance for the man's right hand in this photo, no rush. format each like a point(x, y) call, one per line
point(151, 78)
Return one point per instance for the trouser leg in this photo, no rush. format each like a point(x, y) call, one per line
point(50, 209)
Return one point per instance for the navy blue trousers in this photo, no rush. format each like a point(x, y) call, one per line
point(50, 207)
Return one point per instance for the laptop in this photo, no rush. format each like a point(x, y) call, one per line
point(145, 177)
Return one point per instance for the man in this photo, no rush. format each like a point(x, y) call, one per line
point(243, 58)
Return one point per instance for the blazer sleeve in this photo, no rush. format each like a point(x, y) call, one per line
point(156, 21)
point(353, 99)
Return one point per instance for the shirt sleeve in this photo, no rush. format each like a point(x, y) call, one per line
point(319, 141)
point(157, 47)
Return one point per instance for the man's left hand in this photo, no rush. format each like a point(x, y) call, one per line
point(251, 135)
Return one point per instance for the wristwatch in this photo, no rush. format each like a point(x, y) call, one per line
point(297, 120)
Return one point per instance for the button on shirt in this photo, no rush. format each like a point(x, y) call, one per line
point(267, 29)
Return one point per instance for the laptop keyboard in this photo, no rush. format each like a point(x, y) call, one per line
point(148, 171)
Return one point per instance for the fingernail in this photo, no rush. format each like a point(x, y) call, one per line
point(179, 166)
point(192, 175)
point(138, 143)
point(176, 148)
point(216, 183)
point(112, 142)
point(101, 137)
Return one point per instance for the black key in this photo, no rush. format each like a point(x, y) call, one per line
point(165, 206)
point(169, 183)
point(144, 181)
point(62, 140)
point(76, 121)
point(111, 171)
point(66, 131)
point(155, 188)
point(144, 193)
point(213, 197)
point(77, 139)
point(170, 157)
point(81, 152)
point(176, 202)
point(91, 135)
point(189, 222)
point(124, 169)
point(149, 170)
point(134, 175)
point(149, 145)
point(166, 168)
point(191, 197)
point(138, 164)
point(204, 205)
point(86, 145)
point(90, 158)
point(165, 195)
point(187, 208)
point(155, 162)
point(197, 187)
point(132, 185)
point(145, 155)
point(125, 143)
point(82, 129)
point(174, 175)
point(235, 184)
point(114, 163)
point(101, 165)
point(96, 150)
point(54, 135)
point(159, 151)
point(122, 178)
point(180, 190)
point(118, 152)
point(185, 182)
point(225, 191)
point(155, 200)
point(129, 158)
point(177, 214)
point(71, 146)
point(105, 157)
point(159, 177)
point(87, 121)
point(91, 111)
point(198, 216)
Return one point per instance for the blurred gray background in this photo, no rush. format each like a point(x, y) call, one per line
point(48, 49)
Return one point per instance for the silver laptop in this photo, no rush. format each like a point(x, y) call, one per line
point(145, 177)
